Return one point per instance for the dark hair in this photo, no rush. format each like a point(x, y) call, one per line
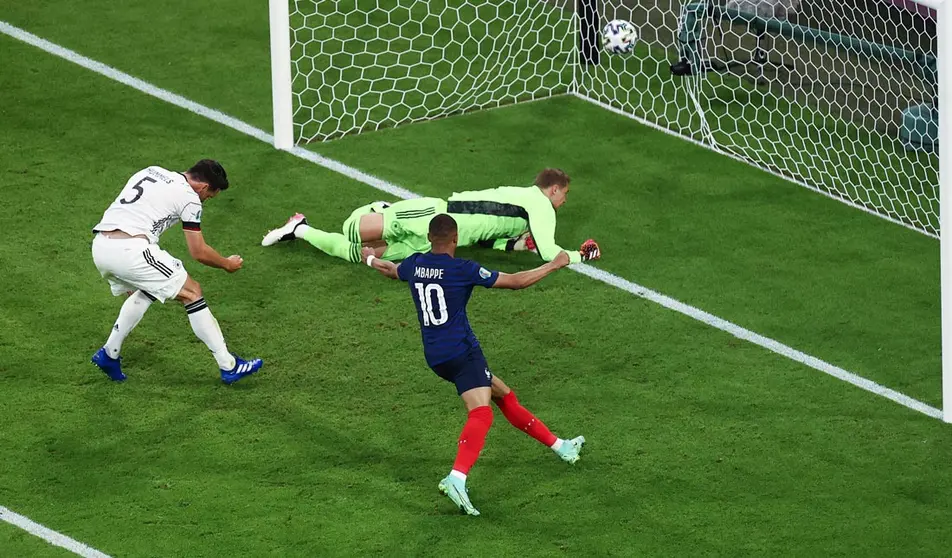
point(442, 227)
point(550, 177)
point(210, 172)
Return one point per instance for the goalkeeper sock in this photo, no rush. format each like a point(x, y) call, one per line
point(472, 439)
point(524, 420)
point(207, 329)
point(132, 311)
point(332, 244)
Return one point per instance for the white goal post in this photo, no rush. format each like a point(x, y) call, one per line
point(850, 98)
point(281, 96)
point(944, 53)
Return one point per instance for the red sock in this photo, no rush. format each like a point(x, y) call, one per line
point(521, 418)
point(472, 438)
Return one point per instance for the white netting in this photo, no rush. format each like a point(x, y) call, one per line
point(839, 95)
point(366, 64)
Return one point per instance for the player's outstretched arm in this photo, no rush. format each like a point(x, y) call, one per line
point(384, 267)
point(542, 226)
point(205, 254)
point(528, 278)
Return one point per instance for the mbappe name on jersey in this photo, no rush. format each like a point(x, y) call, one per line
point(427, 273)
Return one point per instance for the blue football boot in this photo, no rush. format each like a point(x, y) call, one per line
point(111, 367)
point(242, 368)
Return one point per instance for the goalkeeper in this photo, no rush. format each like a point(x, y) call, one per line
point(507, 218)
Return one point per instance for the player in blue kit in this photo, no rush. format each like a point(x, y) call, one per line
point(441, 285)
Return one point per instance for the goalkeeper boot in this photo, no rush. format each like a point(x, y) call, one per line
point(570, 449)
point(242, 368)
point(285, 232)
point(455, 489)
point(112, 367)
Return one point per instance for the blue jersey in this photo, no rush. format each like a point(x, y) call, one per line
point(441, 286)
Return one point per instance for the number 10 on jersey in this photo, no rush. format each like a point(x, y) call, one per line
point(425, 293)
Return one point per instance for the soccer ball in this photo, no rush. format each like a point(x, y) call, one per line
point(619, 36)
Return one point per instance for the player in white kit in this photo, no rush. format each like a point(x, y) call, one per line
point(127, 254)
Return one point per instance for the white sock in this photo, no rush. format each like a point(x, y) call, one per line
point(457, 474)
point(300, 230)
point(132, 311)
point(557, 445)
point(207, 329)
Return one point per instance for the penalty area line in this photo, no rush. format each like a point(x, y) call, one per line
point(403, 193)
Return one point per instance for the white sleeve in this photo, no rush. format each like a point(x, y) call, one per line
point(191, 216)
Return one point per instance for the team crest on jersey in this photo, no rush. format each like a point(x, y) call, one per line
point(484, 273)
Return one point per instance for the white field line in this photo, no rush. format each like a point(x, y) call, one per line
point(48, 535)
point(400, 192)
point(757, 339)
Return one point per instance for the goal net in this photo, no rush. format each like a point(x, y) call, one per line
point(365, 64)
point(837, 95)
point(840, 96)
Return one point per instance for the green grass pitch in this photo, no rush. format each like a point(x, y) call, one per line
point(699, 444)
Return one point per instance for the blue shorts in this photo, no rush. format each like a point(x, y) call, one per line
point(469, 370)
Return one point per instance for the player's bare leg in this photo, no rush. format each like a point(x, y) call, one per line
point(471, 441)
point(207, 329)
point(367, 225)
point(523, 419)
point(371, 227)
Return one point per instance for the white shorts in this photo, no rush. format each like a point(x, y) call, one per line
point(131, 264)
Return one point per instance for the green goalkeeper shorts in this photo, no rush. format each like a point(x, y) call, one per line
point(351, 228)
point(399, 251)
point(407, 222)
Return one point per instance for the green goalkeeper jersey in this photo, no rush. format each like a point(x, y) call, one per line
point(507, 212)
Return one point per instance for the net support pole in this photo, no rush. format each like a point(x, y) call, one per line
point(944, 56)
point(280, 19)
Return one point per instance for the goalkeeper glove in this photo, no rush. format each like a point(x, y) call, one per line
point(590, 250)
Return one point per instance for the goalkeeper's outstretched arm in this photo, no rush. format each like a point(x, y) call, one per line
point(525, 242)
point(542, 229)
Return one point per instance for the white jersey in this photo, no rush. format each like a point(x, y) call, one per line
point(151, 202)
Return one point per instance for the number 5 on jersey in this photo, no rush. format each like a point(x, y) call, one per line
point(425, 295)
point(139, 190)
